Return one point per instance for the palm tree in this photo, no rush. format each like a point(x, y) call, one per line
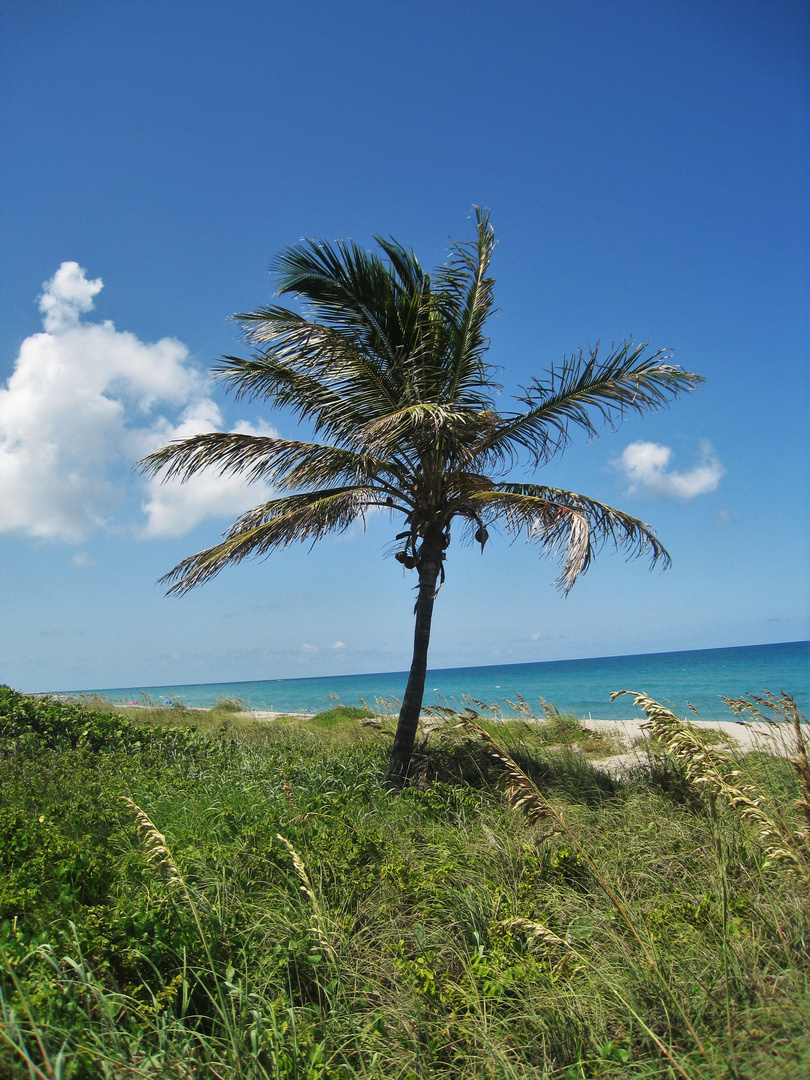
point(388, 366)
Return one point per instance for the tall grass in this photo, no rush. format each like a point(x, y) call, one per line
point(249, 901)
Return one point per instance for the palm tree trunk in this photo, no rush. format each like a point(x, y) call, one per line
point(430, 564)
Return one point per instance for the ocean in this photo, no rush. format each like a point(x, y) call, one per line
point(574, 686)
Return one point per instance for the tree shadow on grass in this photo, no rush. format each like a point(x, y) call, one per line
point(557, 772)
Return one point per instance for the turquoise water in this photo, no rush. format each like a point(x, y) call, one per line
point(579, 686)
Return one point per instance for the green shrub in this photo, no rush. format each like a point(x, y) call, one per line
point(51, 724)
point(339, 716)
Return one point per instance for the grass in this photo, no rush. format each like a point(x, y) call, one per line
point(188, 894)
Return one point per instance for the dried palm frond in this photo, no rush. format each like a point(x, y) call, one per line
point(717, 773)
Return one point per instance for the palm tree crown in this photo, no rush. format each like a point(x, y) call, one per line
point(388, 366)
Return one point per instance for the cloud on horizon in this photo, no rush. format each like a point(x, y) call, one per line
point(85, 399)
point(646, 466)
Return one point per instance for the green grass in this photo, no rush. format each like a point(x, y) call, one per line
point(421, 934)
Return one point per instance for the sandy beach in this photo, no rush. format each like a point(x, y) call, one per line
point(748, 735)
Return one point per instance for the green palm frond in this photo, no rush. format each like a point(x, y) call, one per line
point(308, 397)
point(467, 298)
point(293, 364)
point(286, 462)
point(352, 290)
point(416, 427)
point(582, 392)
point(272, 525)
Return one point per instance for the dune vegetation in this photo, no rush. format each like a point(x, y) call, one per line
point(189, 894)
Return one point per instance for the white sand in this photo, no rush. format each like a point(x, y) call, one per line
point(264, 714)
point(749, 735)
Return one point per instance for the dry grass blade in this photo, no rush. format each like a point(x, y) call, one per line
point(801, 764)
point(473, 702)
point(537, 932)
point(523, 794)
point(287, 788)
point(550, 710)
point(717, 774)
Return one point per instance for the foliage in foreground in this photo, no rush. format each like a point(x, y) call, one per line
point(248, 901)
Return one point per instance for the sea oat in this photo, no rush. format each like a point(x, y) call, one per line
point(521, 793)
point(155, 846)
point(717, 773)
point(535, 930)
point(319, 927)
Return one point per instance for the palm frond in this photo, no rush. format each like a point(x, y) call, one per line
point(405, 264)
point(350, 289)
point(286, 462)
point(411, 425)
point(467, 296)
point(563, 520)
point(303, 517)
point(307, 397)
point(290, 348)
point(584, 392)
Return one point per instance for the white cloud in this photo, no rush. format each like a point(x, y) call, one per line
point(174, 508)
point(338, 645)
point(309, 648)
point(82, 400)
point(645, 465)
point(67, 296)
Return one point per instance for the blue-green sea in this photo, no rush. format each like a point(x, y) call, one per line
point(574, 686)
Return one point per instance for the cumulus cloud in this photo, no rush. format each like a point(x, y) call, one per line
point(85, 398)
point(67, 296)
point(646, 466)
point(172, 508)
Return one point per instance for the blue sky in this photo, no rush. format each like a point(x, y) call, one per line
point(646, 169)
